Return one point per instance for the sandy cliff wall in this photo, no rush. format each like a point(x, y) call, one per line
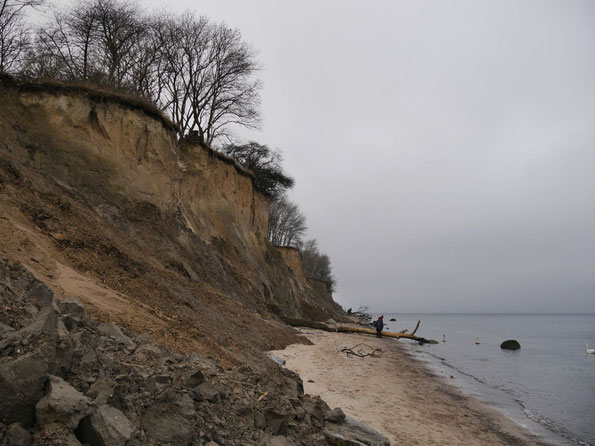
point(150, 219)
point(109, 145)
point(293, 259)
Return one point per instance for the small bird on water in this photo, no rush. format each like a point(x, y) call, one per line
point(590, 351)
point(477, 340)
point(443, 338)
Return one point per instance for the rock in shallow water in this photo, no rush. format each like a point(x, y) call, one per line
point(510, 344)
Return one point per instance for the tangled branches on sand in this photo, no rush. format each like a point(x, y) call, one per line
point(362, 350)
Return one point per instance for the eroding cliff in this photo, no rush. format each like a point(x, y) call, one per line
point(100, 200)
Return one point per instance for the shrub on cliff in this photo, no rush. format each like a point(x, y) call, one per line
point(264, 163)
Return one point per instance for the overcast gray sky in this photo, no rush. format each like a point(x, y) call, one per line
point(444, 151)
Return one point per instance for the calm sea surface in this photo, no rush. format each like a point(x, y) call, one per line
point(548, 385)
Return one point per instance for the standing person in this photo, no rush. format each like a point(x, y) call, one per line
point(379, 324)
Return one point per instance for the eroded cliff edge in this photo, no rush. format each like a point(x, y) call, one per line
point(101, 201)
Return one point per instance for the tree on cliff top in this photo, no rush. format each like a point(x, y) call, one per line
point(207, 81)
point(265, 163)
point(14, 35)
point(202, 74)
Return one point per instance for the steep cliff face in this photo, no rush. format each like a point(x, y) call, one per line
point(106, 204)
point(292, 258)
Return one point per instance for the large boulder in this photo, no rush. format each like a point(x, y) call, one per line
point(22, 383)
point(41, 295)
point(73, 308)
point(510, 344)
point(166, 427)
point(62, 403)
point(112, 330)
point(106, 427)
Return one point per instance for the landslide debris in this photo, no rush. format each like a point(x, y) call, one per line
point(67, 379)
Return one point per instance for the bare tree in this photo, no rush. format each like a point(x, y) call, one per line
point(202, 74)
point(265, 163)
point(287, 224)
point(120, 27)
point(207, 77)
point(316, 264)
point(66, 48)
point(14, 35)
point(101, 40)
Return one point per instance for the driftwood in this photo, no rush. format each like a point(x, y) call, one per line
point(352, 329)
point(363, 351)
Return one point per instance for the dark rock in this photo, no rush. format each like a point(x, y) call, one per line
point(148, 352)
point(164, 427)
point(163, 379)
point(335, 416)
point(22, 383)
point(186, 406)
point(354, 433)
point(276, 421)
point(16, 435)
point(510, 344)
point(107, 426)
point(62, 404)
point(41, 295)
point(73, 308)
point(112, 330)
point(46, 322)
point(195, 379)
point(208, 392)
point(101, 390)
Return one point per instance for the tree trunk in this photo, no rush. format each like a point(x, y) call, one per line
point(353, 329)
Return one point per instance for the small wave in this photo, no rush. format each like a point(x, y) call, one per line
point(552, 426)
point(543, 421)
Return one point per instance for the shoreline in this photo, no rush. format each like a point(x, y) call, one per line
point(397, 394)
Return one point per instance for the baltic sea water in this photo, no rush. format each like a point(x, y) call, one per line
point(547, 386)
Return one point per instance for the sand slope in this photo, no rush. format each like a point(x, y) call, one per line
point(396, 394)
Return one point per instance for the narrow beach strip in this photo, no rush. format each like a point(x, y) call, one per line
point(396, 394)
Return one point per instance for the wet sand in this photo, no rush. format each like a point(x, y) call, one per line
point(397, 394)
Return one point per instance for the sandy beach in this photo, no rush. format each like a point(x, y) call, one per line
point(397, 394)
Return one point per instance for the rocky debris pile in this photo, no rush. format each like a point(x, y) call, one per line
point(70, 380)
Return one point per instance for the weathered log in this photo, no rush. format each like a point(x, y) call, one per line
point(351, 329)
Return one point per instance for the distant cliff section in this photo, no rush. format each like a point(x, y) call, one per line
point(100, 199)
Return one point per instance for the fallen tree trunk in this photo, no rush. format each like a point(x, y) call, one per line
point(352, 329)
